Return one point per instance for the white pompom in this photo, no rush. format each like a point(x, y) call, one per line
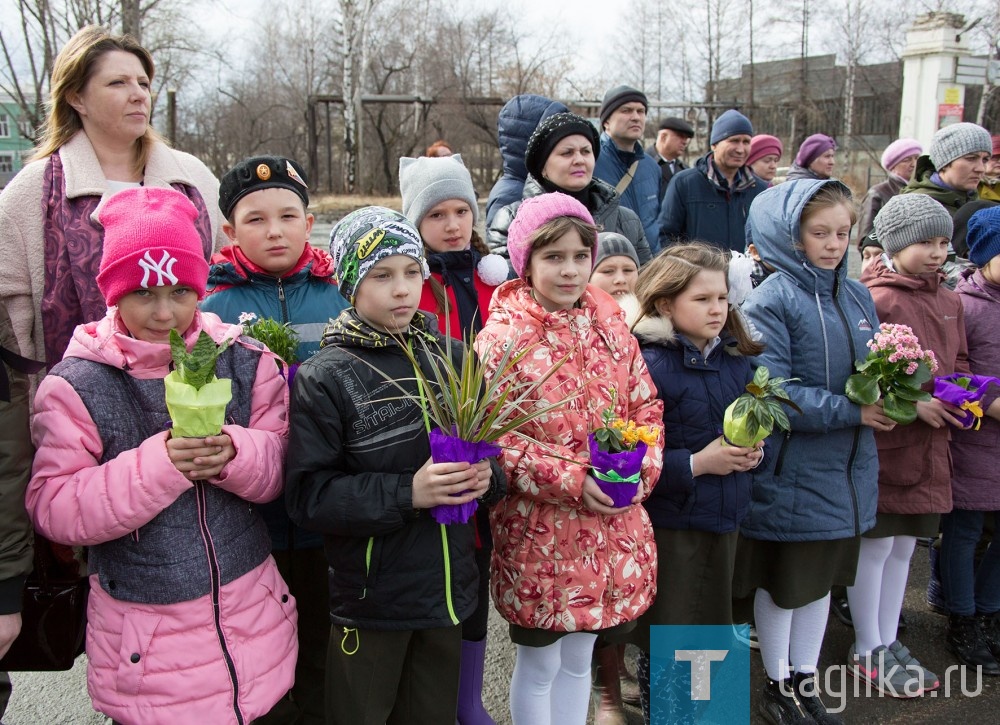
point(740, 283)
point(493, 270)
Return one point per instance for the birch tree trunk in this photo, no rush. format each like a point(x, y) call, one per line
point(355, 15)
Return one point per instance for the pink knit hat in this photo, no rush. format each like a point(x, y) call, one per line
point(901, 148)
point(763, 145)
point(150, 240)
point(532, 214)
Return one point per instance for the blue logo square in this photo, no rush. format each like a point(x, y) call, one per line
point(700, 674)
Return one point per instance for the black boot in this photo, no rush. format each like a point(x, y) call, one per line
point(989, 625)
point(807, 688)
point(966, 641)
point(781, 705)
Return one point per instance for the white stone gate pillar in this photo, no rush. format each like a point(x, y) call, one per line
point(931, 97)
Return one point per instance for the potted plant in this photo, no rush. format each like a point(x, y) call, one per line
point(965, 392)
point(280, 337)
point(751, 417)
point(616, 452)
point(464, 412)
point(895, 370)
point(196, 399)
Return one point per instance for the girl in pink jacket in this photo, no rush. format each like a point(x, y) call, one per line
point(566, 564)
point(188, 618)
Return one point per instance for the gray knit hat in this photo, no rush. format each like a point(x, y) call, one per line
point(910, 218)
point(612, 244)
point(426, 182)
point(957, 140)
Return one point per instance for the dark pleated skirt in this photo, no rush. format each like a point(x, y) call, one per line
point(920, 525)
point(794, 573)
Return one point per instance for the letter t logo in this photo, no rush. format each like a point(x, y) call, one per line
point(701, 669)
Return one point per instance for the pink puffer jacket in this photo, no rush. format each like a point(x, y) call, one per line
point(556, 564)
point(164, 663)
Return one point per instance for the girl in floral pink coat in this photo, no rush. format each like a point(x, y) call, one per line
point(566, 565)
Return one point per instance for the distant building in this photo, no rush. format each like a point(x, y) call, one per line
point(15, 139)
point(792, 99)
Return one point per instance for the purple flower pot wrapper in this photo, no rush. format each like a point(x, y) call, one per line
point(292, 369)
point(617, 474)
point(948, 391)
point(451, 449)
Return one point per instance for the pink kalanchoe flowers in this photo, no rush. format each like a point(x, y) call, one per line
point(894, 371)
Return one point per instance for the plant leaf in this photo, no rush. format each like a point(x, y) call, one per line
point(902, 411)
point(862, 389)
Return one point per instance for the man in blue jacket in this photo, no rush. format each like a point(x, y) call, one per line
point(710, 202)
point(623, 163)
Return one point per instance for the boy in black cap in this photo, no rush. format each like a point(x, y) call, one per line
point(271, 271)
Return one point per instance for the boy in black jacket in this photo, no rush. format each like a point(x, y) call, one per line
point(359, 471)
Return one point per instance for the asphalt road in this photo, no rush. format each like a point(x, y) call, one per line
point(61, 698)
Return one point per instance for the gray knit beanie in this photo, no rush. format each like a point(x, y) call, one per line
point(426, 182)
point(910, 218)
point(957, 140)
point(612, 244)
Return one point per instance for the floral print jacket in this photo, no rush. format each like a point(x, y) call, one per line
point(556, 564)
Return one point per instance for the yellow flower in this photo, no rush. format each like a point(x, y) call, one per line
point(649, 435)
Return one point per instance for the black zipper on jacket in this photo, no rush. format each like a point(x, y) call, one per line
point(290, 527)
point(213, 569)
point(281, 299)
point(857, 430)
point(780, 462)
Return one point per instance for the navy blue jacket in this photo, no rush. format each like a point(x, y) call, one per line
point(642, 194)
point(701, 205)
point(823, 481)
point(517, 120)
point(695, 392)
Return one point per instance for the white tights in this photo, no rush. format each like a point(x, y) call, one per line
point(789, 636)
point(551, 685)
point(879, 587)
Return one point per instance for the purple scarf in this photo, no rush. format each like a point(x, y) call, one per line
point(73, 245)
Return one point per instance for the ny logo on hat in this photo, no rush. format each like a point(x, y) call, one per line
point(162, 269)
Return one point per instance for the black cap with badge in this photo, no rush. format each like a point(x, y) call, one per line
point(261, 172)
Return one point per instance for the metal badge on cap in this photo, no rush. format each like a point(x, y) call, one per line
point(293, 174)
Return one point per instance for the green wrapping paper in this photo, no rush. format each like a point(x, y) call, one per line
point(197, 413)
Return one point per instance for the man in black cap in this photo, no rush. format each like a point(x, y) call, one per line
point(671, 141)
point(622, 162)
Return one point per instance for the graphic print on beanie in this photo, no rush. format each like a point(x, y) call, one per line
point(163, 269)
